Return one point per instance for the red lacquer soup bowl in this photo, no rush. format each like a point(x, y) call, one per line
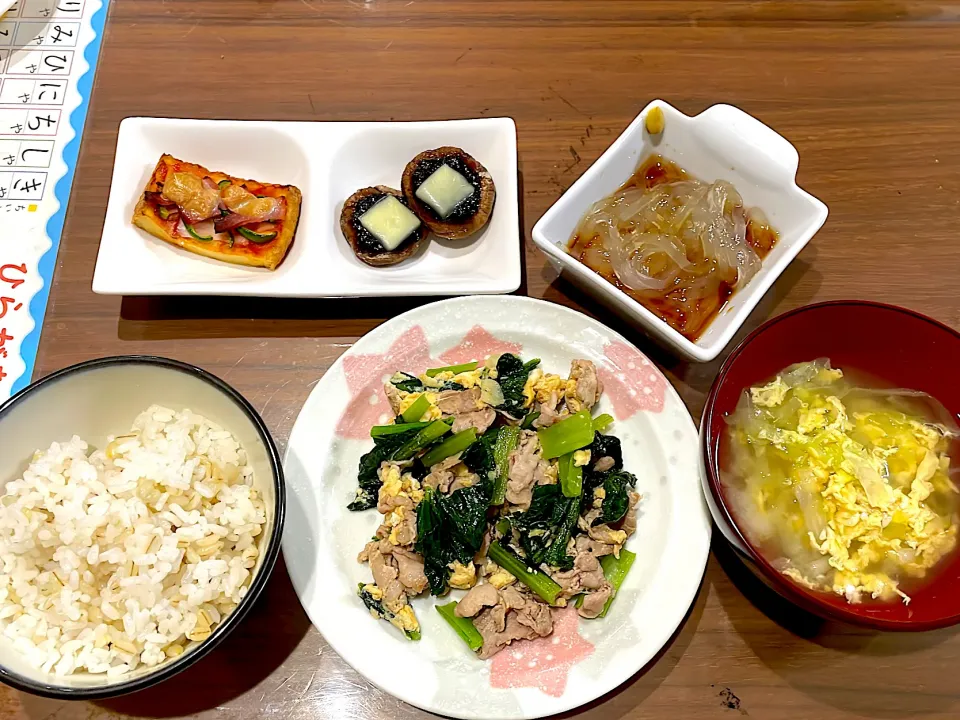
point(894, 345)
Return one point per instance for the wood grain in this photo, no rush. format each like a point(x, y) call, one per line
point(868, 93)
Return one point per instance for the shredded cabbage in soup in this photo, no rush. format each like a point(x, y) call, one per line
point(846, 489)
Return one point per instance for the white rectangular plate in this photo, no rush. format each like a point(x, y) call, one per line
point(328, 161)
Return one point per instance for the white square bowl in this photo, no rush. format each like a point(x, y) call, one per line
point(328, 161)
point(722, 142)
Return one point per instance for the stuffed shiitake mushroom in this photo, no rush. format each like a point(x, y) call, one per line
point(450, 192)
point(380, 227)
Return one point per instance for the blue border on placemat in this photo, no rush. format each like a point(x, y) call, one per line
point(38, 305)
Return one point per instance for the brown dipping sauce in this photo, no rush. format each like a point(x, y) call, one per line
point(689, 318)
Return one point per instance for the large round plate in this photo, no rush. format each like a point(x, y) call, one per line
point(584, 658)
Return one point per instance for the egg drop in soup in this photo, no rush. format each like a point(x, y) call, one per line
point(845, 487)
point(678, 246)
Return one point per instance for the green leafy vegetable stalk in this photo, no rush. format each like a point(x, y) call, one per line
point(571, 476)
point(416, 410)
point(451, 446)
point(571, 433)
point(506, 442)
point(615, 570)
point(463, 626)
point(541, 583)
point(455, 369)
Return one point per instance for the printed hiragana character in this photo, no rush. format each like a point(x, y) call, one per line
point(6, 302)
point(55, 63)
point(6, 275)
point(59, 33)
point(53, 88)
point(27, 184)
point(34, 122)
point(23, 154)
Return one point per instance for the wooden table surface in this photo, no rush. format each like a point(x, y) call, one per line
point(867, 91)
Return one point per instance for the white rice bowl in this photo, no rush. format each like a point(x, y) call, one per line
point(117, 560)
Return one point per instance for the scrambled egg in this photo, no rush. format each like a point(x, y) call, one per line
point(854, 482)
point(540, 386)
point(497, 576)
point(394, 520)
point(770, 395)
point(581, 458)
point(530, 387)
point(396, 484)
point(462, 577)
point(598, 496)
point(405, 620)
point(570, 392)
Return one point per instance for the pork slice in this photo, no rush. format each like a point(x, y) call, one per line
point(591, 574)
point(479, 420)
point(586, 544)
point(410, 571)
point(441, 474)
point(550, 411)
point(588, 385)
point(457, 402)
point(607, 535)
point(476, 599)
point(629, 522)
point(586, 520)
point(537, 616)
point(481, 557)
point(603, 464)
point(530, 611)
point(491, 621)
point(406, 531)
point(385, 576)
point(523, 463)
point(512, 598)
point(393, 397)
point(586, 574)
point(462, 481)
point(364, 555)
point(494, 641)
point(594, 602)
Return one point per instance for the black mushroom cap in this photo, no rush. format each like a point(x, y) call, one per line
point(468, 217)
point(362, 241)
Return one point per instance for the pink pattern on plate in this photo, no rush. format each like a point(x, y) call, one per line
point(543, 663)
point(410, 352)
point(631, 381)
point(477, 345)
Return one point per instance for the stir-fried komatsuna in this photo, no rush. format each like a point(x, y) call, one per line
point(496, 479)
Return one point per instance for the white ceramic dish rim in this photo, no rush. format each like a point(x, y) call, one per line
point(772, 144)
point(617, 675)
point(257, 585)
point(314, 149)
